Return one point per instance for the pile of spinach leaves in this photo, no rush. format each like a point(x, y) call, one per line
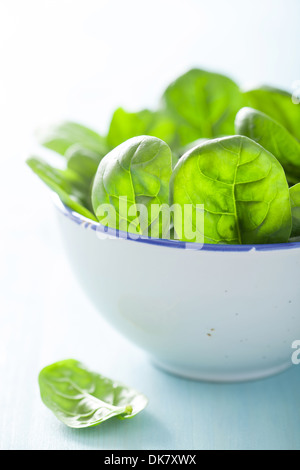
point(208, 142)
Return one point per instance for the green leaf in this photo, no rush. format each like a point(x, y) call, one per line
point(125, 125)
point(273, 137)
point(81, 398)
point(278, 105)
point(65, 184)
point(203, 104)
point(62, 136)
point(82, 161)
point(295, 204)
point(191, 145)
point(242, 187)
point(134, 174)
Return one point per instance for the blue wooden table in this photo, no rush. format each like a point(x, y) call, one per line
point(45, 317)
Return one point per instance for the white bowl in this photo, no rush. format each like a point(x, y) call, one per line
point(215, 313)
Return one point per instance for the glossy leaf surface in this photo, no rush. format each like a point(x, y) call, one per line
point(273, 137)
point(81, 398)
point(278, 105)
point(242, 187)
point(203, 104)
point(134, 174)
point(125, 125)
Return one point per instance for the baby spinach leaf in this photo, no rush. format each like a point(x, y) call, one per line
point(192, 145)
point(62, 136)
point(278, 105)
point(82, 161)
point(125, 125)
point(81, 398)
point(65, 184)
point(203, 104)
point(242, 187)
point(134, 174)
point(273, 137)
point(295, 203)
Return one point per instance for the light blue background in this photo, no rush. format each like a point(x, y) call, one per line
point(79, 60)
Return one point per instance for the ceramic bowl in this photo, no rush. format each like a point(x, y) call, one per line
point(213, 312)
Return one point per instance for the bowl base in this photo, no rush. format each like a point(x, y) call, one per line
point(222, 377)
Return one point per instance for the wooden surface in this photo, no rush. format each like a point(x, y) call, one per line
point(46, 317)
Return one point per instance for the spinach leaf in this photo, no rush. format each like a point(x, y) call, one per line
point(134, 174)
point(62, 136)
point(273, 137)
point(82, 150)
point(278, 105)
point(295, 203)
point(203, 104)
point(82, 161)
point(191, 145)
point(125, 125)
point(242, 187)
point(81, 398)
point(66, 184)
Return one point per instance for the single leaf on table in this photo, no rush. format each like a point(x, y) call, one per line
point(243, 189)
point(273, 137)
point(125, 125)
point(81, 398)
point(62, 136)
point(295, 204)
point(133, 176)
point(278, 105)
point(65, 184)
point(203, 104)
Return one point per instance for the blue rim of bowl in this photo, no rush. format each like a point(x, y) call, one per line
point(97, 227)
